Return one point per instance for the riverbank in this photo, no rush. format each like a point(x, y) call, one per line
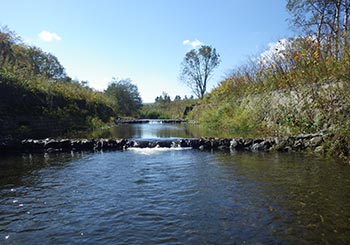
point(303, 142)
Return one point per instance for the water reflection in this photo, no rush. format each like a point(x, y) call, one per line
point(153, 130)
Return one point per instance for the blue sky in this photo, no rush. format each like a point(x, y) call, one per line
point(145, 40)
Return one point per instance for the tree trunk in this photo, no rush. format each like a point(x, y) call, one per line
point(319, 29)
point(336, 22)
point(345, 23)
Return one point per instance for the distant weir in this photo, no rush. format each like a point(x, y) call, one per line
point(155, 121)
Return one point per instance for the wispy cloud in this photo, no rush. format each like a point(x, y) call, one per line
point(47, 36)
point(194, 43)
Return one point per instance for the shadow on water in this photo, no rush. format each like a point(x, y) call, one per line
point(14, 167)
point(307, 197)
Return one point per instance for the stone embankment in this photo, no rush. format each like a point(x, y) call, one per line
point(311, 142)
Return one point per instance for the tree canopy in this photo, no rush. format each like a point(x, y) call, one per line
point(28, 60)
point(325, 20)
point(126, 96)
point(197, 68)
point(45, 64)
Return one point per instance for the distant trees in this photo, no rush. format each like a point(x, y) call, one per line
point(125, 95)
point(197, 68)
point(164, 97)
point(325, 20)
point(177, 98)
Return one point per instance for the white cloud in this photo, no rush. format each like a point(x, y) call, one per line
point(47, 36)
point(274, 51)
point(186, 42)
point(194, 43)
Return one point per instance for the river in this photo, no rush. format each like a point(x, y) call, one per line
point(173, 196)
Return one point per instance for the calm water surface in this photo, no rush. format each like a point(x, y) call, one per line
point(173, 196)
point(157, 130)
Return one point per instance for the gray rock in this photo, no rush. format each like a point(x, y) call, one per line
point(233, 143)
point(316, 141)
point(257, 147)
point(319, 149)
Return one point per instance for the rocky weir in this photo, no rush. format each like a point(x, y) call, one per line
point(138, 121)
point(310, 142)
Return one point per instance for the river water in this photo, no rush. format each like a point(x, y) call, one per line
point(173, 196)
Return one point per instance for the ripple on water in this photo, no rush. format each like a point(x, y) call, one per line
point(172, 196)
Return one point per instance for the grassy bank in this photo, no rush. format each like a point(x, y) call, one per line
point(39, 108)
point(294, 91)
point(38, 99)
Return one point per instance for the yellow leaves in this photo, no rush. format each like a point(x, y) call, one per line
point(296, 58)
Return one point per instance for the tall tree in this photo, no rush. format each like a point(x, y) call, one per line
point(326, 20)
point(126, 96)
point(197, 69)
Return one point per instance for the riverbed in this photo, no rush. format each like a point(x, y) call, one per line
point(172, 196)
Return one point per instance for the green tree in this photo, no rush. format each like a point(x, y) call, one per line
point(45, 64)
point(197, 69)
point(126, 97)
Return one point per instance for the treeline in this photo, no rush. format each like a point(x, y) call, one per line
point(38, 99)
point(165, 108)
point(301, 85)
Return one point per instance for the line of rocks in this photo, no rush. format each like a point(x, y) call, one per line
point(282, 144)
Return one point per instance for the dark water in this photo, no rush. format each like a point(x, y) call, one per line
point(173, 196)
